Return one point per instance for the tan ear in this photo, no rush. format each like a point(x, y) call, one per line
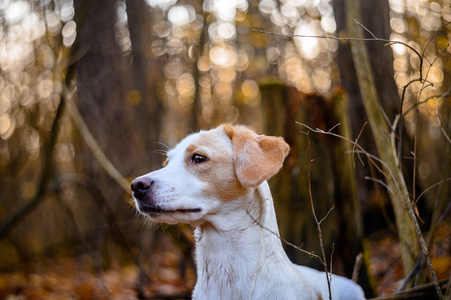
point(256, 157)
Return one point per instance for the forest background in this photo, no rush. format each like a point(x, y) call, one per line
point(92, 92)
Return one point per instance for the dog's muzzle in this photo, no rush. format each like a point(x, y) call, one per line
point(143, 192)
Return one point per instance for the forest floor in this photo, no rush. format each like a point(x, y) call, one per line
point(75, 278)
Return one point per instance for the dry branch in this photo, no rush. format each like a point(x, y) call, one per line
point(408, 205)
point(96, 149)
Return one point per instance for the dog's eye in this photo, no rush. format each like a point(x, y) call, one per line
point(198, 158)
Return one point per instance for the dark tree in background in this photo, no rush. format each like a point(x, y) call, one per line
point(142, 95)
point(102, 82)
point(375, 15)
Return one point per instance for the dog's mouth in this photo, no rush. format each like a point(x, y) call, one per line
point(152, 210)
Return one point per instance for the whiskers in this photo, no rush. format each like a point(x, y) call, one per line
point(148, 223)
point(165, 146)
point(163, 152)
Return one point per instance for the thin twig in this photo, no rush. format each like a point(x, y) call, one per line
point(339, 39)
point(356, 143)
point(409, 276)
point(432, 38)
point(415, 145)
point(445, 213)
point(327, 214)
point(424, 248)
point(430, 187)
point(446, 94)
point(370, 157)
point(413, 106)
point(318, 223)
point(422, 80)
point(408, 206)
point(366, 29)
point(380, 182)
point(283, 240)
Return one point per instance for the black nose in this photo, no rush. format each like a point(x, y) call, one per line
point(140, 186)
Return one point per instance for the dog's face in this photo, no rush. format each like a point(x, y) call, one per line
point(206, 173)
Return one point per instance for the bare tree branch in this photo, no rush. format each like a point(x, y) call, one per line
point(389, 42)
point(96, 149)
point(318, 223)
point(431, 187)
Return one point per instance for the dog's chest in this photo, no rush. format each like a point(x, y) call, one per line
point(227, 267)
point(237, 266)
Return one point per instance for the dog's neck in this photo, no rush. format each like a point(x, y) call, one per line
point(232, 254)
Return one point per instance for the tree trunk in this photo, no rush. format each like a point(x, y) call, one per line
point(101, 86)
point(144, 70)
point(375, 17)
point(393, 176)
point(100, 80)
point(332, 176)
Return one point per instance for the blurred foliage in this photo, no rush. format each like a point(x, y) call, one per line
point(203, 66)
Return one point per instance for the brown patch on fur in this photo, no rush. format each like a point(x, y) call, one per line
point(256, 157)
point(190, 148)
point(165, 163)
point(218, 171)
point(238, 160)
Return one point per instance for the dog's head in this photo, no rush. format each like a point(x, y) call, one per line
point(206, 170)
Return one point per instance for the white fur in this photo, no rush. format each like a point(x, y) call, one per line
point(237, 256)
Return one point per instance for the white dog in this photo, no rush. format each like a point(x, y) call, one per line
point(216, 180)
